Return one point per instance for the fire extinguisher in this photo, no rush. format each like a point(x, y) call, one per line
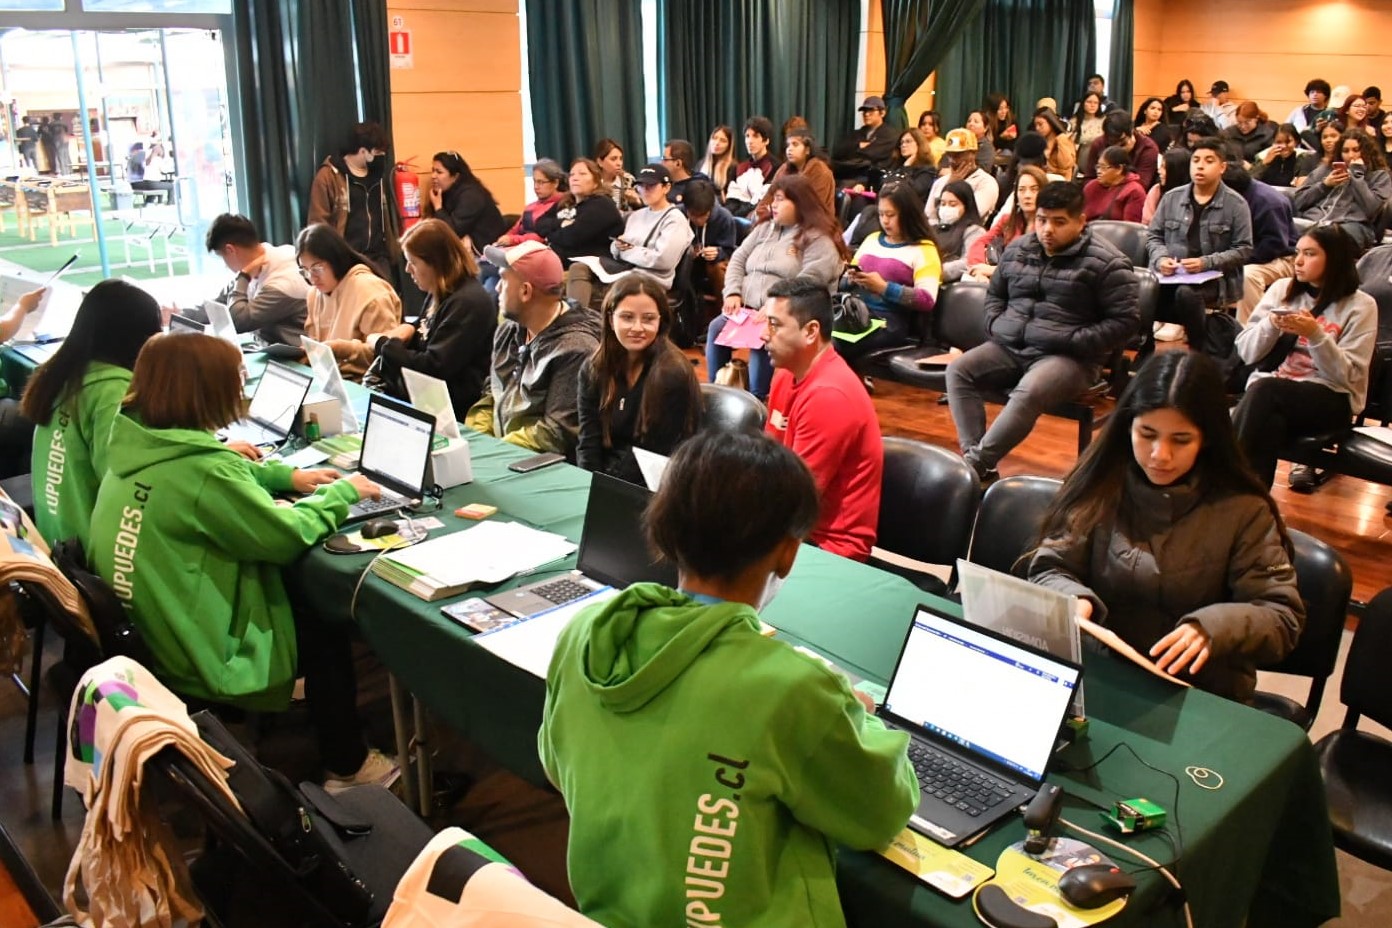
point(408, 194)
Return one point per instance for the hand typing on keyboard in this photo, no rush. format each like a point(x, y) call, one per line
point(366, 488)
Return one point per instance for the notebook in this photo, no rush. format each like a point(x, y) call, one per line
point(982, 713)
point(274, 406)
point(395, 455)
point(613, 552)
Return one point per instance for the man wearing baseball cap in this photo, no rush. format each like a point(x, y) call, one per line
point(959, 163)
point(861, 156)
point(531, 397)
point(1218, 108)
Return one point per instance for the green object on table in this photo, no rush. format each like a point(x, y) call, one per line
point(853, 337)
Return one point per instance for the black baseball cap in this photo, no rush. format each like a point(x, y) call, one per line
point(1219, 87)
point(652, 174)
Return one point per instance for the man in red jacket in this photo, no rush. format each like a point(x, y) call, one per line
point(819, 408)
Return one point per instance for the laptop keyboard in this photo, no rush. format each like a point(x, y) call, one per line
point(955, 783)
point(368, 506)
point(562, 591)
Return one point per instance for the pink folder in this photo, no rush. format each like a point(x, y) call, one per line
point(745, 329)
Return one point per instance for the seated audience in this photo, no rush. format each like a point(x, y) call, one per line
point(758, 136)
point(1385, 134)
point(1312, 339)
point(1279, 165)
point(1114, 193)
point(1173, 172)
point(1201, 226)
point(1197, 128)
point(615, 182)
point(1314, 136)
point(984, 253)
point(1373, 97)
point(1353, 194)
point(457, 196)
point(1180, 104)
point(1060, 153)
point(1273, 237)
point(913, 164)
point(714, 238)
point(859, 157)
point(1001, 122)
point(1150, 122)
point(799, 239)
point(719, 161)
point(959, 226)
point(1086, 124)
point(188, 535)
point(1354, 115)
point(73, 397)
point(1140, 150)
point(819, 408)
point(985, 149)
point(959, 164)
point(930, 124)
point(1029, 152)
point(549, 182)
point(1219, 108)
point(1098, 85)
point(16, 431)
point(584, 223)
point(1251, 130)
point(1329, 148)
point(1317, 91)
point(1168, 538)
point(1059, 303)
point(451, 339)
point(347, 301)
point(896, 271)
point(637, 390)
point(267, 294)
point(813, 768)
point(803, 160)
point(656, 236)
point(530, 397)
point(679, 157)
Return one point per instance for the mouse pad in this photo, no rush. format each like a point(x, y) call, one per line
point(1032, 882)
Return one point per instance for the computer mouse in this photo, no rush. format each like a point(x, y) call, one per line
point(379, 528)
point(1094, 885)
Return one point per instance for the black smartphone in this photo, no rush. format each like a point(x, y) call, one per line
point(536, 462)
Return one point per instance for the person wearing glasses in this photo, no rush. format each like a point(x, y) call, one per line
point(637, 389)
point(457, 196)
point(1114, 193)
point(351, 192)
point(347, 300)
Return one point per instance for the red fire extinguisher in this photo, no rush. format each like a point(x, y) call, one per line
point(408, 194)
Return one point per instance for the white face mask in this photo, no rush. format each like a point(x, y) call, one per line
point(771, 588)
point(949, 214)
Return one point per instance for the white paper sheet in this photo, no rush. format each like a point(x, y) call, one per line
point(431, 394)
point(530, 644)
point(652, 465)
point(489, 552)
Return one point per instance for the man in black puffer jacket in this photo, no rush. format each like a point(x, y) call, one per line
point(1060, 301)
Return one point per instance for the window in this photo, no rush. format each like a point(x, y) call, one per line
point(31, 6)
point(223, 7)
point(1103, 9)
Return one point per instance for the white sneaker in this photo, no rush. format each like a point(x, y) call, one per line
point(1169, 332)
point(378, 769)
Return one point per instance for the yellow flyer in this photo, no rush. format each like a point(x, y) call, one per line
point(940, 867)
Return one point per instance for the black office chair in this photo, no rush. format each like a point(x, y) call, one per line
point(1128, 237)
point(1357, 766)
point(1009, 521)
point(928, 502)
point(1326, 583)
point(730, 409)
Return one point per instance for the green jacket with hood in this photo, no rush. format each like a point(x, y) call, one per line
point(710, 771)
point(188, 535)
point(69, 457)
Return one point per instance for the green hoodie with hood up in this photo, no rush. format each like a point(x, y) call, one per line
point(710, 771)
point(69, 456)
point(188, 535)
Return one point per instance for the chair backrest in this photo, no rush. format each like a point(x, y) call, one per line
point(1148, 299)
point(730, 409)
point(1128, 237)
point(928, 501)
point(1375, 274)
point(1326, 584)
point(118, 634)
point(1009, 521)
point(1364, 689)
point(959, 318)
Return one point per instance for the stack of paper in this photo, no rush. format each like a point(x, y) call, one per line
point(490, 552)
point(343, 449)
point(530, 643)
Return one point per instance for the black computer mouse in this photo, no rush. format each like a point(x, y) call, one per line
point(1094, 885)
point(379, 528)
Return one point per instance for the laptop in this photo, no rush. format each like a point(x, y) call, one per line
point(982, 713)
point(274, 406)
point(183, 324)
point(220, 321)
point(396, 444)
point(612, 553)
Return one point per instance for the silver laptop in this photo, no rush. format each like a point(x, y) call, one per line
point(274, 406)
point(397, 439)
point(982, 713)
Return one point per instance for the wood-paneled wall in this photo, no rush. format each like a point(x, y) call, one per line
point(464, 92)
point(873, 79)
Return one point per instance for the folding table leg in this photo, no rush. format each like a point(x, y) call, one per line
point(401, 727)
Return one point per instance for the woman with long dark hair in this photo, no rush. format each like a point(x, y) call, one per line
point(1000, 121)
point(1312, 338)
point(617, 183)
point(16, 432)
point(1150, 120)
point(1180, 104)
point(638, 389)
point(1060, 151)
point(1279, 165)
point(1168, 538)
point(347, 301)
point(913, 163)
point(984, 253)
point(1172, 171)
point(457, 196)
point(74, 396)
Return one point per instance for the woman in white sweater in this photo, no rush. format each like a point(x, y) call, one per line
point(1312, 339)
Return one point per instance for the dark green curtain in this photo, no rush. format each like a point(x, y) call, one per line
point(728, 60)
point(1025, 49)
point(1122, 81)
point(586, 76)
point(918, 35)
point(299, 93)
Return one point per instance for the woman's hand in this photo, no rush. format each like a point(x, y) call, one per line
point(1336, 177)
point(869, 280)
point(304, 481)
point(246, 449)
point(437, 199)
point(1186, 646)
point(366, 488)
point(1302, 323)
point(1010, 132)
point(30, 301)
point(733, 304)
point(982, 271)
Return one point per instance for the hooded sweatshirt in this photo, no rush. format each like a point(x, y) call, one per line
point(70, 453)
point(186, 532)
point(721, 766)
point(362, 304)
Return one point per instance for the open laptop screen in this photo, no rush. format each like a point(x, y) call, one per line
point(613, 547)
point(396, 445)
point(995, 698)
point(278, 397)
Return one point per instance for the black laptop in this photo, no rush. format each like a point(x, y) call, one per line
point(276, 403)
point(613, 552)
point(982, 713)
point(396, 444)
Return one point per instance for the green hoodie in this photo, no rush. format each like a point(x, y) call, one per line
point(710, 771)
point(186, 532)
point(70, 453)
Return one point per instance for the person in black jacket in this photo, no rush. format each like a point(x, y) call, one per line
point(1060, 301)
point(637, 389)
point(586, 220)
point(460, 199)
point(861, 156)
point(454, 338)
point(715, 236)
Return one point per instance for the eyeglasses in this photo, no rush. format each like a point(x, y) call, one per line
point(314, 270)
point(633, 320)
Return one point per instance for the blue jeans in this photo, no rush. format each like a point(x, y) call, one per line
point(717, 356)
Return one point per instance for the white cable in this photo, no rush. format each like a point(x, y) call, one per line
point(1188, 915)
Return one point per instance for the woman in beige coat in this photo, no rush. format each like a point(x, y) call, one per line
point(347, 301)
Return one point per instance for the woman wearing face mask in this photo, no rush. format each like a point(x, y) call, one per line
point(1169, 539)
point(719, 162)
point(814, 768)
point(959, 226)
point(1279, 165)
point(458, 197)
point(617, 182)
point(801, 151)
point(1115, 193)
point(984, 251)
point(638, 390)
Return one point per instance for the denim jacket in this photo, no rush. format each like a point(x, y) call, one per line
point(1225, 235)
